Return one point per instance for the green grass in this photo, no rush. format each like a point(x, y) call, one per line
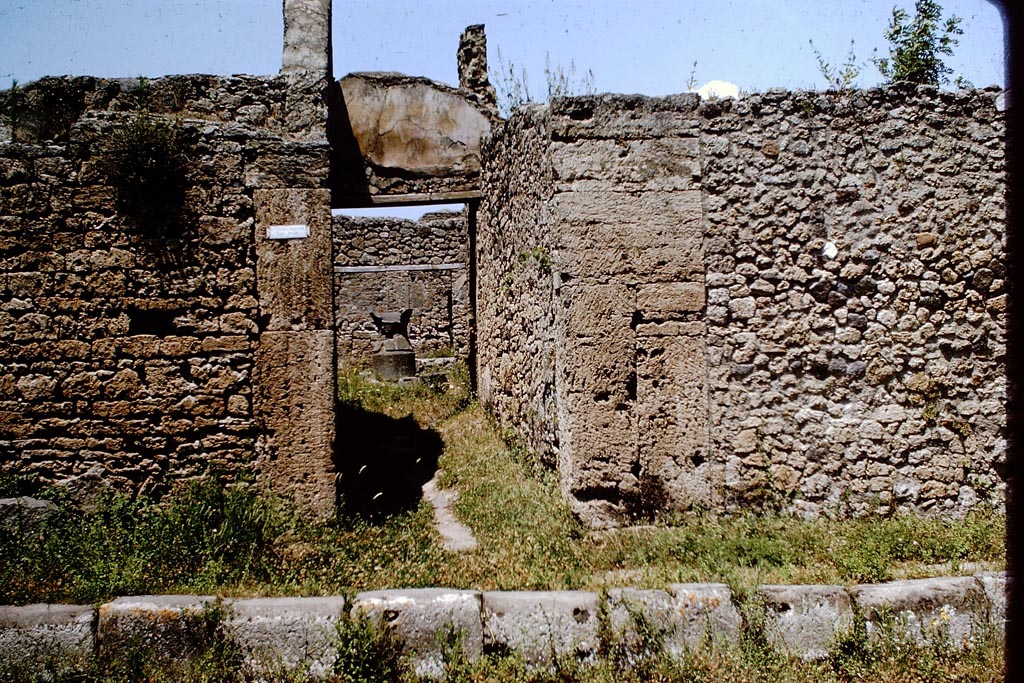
point(204, 538)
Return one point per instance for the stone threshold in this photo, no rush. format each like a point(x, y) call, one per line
point(298, 634)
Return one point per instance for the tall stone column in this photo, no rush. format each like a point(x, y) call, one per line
point(307, 37)
point(295, 374)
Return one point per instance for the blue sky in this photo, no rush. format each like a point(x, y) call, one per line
point(646, 46)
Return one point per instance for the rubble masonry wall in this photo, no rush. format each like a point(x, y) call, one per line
point(792, 298)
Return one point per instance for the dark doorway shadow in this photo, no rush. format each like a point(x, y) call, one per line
point(383, 462)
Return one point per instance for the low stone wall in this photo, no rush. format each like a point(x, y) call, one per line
point(389, 264)
point(792, 299)
point(299, 634)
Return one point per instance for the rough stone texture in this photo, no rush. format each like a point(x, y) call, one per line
point(996, 586)
point(951, 609)
point(285, 634)
point(282, 105)
point(542, 627)
point(23, 516)
point(391, 254)
point(164, 627)
point(472, 61)
point(795, 296)
point(294, 275)
point(684, 618)
point(705, 609)
point(516, 313)
point(804, 620)
point(118, 350)
point(295, 394)
point(423, 618)
point(307, 37)
point(855, 298)
point(41, 641)
point(399, 134)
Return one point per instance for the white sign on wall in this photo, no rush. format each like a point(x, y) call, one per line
point(287, 232)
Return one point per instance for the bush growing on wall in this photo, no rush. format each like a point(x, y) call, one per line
point(147, 165)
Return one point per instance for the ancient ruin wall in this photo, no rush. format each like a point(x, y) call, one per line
point(389, 264)
point(795, 298)
point(118, 349)
point(855, 298)
point(516, 310)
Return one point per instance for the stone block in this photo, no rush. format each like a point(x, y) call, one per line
point(671, 415)
point(598, 311)
point(625, 117)
point(681, 620)
point(542, 627)
point(164, 627)
point(294, 396)
point(667, 300)
point(995, 585)
point(705, 610)
point(804, 620)
point(413, 125)
point(41, 641)
point(294, 276)
point(294, 634)
point(602, 368)
point(663, 164)
point(423, 618)
point(921, 610)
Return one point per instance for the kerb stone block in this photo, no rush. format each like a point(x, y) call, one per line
point(286, 634)
point(423, 618)
point(921, 610)
point(41, 640)
point(542, 627)
point(804, 620)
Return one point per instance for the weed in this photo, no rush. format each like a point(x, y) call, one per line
point(369, 650)
point(841, 78)
point(147, 164)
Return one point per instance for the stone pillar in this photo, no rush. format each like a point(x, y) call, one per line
point(472, 59)
point(307, 37)
point(295, 363)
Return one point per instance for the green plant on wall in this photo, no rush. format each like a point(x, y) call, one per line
point(147, 165)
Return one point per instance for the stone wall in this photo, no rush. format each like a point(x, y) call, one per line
point(389, 264)
point(855, 297)
point(118, 348)
point(516, 305)
point(795, 298)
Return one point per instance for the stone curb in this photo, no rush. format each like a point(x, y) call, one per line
point(544, 628)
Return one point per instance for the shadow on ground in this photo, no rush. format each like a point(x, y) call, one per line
point(383, 461)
